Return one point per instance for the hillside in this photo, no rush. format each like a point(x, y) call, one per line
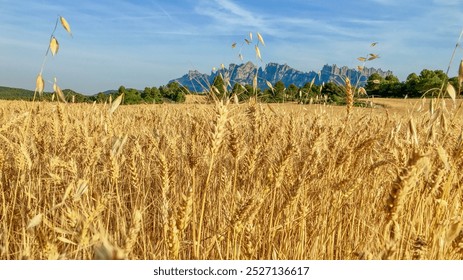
point(9, 93)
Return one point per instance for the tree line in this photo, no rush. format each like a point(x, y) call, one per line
point(172, 92)
point(426, 83)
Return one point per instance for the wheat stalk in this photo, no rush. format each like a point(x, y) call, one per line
point(349, 96)
point(218, 134)
point(134, 231)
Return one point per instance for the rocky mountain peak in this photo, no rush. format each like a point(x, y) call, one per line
point(274, 72)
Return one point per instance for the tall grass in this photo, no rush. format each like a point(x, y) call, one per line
point(227, 181)
point(52, 48)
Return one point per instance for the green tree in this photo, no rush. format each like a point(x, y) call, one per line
point(250, 92)
point(430, 81)
point(454, 82)
point(240, 91)
point(101, 97)
point(334, 92)
point(267, 96)
point(219, 85)
point(121, 90)
point(391, 87)
point(146, 95)
point(156, 93)
point(411, 85)
point(373, 84)
point(292, 92)
point(391, 79)
point(174, 92)
point(279, 92)
point(132, 96)
point(180, 97)
point(151, 95)
point(309, 91)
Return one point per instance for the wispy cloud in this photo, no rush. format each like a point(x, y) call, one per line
point(231, 18)
point(228, 15)
point(386, 2)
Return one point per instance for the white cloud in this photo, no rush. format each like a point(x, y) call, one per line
point(230, 16)
point(386, 2)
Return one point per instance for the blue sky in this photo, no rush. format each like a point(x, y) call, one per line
point(147, 43)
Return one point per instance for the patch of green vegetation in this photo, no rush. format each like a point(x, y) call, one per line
point(8, 93)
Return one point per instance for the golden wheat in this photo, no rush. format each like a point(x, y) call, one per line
point(229, 181)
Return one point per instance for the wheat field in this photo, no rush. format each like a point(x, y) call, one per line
point(223, 181)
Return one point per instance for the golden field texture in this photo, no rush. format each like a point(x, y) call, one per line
point(223, 181)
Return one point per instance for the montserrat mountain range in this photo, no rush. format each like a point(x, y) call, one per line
point(274, 72)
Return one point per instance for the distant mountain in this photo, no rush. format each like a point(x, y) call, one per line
point(9, 93)
point(274, 72)
point(111, 91)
